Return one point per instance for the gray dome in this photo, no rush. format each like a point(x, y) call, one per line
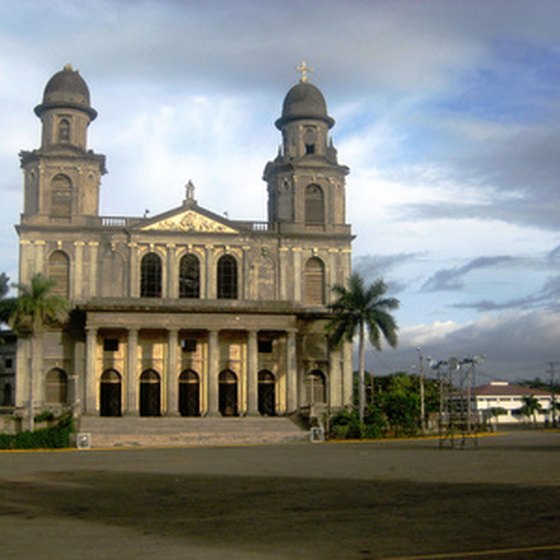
point(304, 101)
point(66, 89)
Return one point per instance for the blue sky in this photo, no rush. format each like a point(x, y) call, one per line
point(447, 113)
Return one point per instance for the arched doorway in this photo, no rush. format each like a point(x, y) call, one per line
point(267, 394)
point(189, 393)
point(110, 393)
point(228, 393)
point(57, 387)
point(150, 393)
point(316, 387)
point(7, 399)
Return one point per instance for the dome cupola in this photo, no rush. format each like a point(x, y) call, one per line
point(304, 101)
point(66, 89)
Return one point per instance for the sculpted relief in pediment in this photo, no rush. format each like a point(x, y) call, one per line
point(189, 221)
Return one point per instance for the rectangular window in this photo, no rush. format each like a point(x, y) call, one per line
point(265, 346)
point(111, 345)
point(188, 345)
point(8, 363)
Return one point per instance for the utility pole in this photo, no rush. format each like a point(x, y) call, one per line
point(421, 376)
point(551, 366)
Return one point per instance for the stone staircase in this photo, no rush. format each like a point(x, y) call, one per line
point(176, 432)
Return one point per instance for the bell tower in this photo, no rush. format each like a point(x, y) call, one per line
point(306, 184)
point(62, 177)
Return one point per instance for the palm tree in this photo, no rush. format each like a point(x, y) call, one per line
point(35, 307)
point(531, 406)
point(358, 309)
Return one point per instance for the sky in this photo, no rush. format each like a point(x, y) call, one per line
point(447, 113)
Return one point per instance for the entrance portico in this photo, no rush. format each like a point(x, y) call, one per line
point(195, 365)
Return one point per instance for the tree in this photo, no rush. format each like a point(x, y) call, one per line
point(36, 307)
point(360, 310)
point(6, 304)
point(531, 406)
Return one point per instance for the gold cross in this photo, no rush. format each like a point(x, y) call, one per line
point(304, 69)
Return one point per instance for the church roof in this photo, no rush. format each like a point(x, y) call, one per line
point(66, 89)
point(304, 101)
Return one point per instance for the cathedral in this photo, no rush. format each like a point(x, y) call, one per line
point(186, 313)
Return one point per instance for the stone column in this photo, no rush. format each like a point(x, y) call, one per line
point(24, 273)
point(132, 373)
point(335, 386)
point(79, 374)
point(23, 371)
point(247, 286)
point(210, 273)
point(333, 273)
point(283, 273)
point(78, 283)
point(37, 377)
point(291, 372)
point(298, 280)
point(347, 374)
point(212, 374)
point(346, 259)
point(93, 247)
point(39, 257)
point(171, 373)
point(252, 374)
point(90, 397)
point(133, 274)
point(172, 276)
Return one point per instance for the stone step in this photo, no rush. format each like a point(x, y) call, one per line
point(166, 431)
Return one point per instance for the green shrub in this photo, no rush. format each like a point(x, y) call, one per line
point(345, 425)
point(44, 416)
point(47, 438)
point(375, 422)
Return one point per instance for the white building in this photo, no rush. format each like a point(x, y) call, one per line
point(502, 396)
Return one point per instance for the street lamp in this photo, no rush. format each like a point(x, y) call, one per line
point(421, 377)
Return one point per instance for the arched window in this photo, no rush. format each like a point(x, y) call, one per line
point(59, 270)
point(111, 393)
point(189, 277)
point(310, 139)
point(150, 276)
point(315, 387)
point(57, 387)
point(61, 197)
point(189, 393)
point(64, 130)
point(267, 394)
point(227, 277)
point(314, 205)
point(314, 282)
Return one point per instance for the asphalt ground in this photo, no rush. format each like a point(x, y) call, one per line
point(388, 499)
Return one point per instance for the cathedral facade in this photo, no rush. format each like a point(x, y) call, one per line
point(186, 313)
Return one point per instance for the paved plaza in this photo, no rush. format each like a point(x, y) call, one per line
point(390, 499)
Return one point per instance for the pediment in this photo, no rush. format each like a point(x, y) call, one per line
point(189, 221)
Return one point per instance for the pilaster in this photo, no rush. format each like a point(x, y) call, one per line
point(90, 397)
point(252, 373)
point(132, 373)
point(212, 373)
point(291, 372)
point(93, 249)
point(171, 373)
